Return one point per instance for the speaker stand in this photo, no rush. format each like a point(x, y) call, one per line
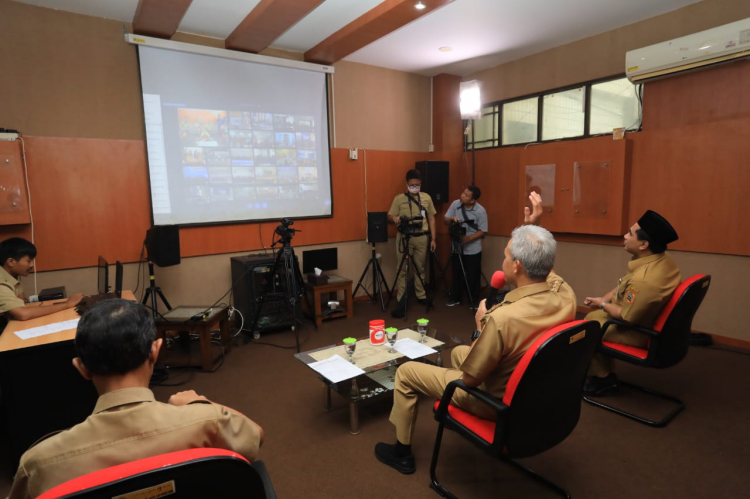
point(153, 291)
point(378, 281)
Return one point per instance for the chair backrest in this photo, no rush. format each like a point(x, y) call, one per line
point(676, 318)
point(544, 391)
point(203, 472)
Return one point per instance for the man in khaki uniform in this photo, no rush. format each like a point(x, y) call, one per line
point(410, 204)
point(541, 300)
point(17, 257)
point(117, 348)
point(639, 296)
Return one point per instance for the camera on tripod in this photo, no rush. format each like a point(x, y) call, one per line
point(285, 231)
point(411, 226)
point(456, 230)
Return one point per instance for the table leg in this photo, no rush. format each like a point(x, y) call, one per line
point(226, 336)
point(353, 409)
point(349, 301)
point(327, 406)
point(318, 311)
point(206, 360)
point(440, 359)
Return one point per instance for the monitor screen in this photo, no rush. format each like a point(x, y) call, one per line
point(103, 281)
point(324, 259)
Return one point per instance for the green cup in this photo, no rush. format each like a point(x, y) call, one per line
point(350, 344)
point(422, 329)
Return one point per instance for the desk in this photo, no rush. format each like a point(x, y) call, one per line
point(332, 287)
point(179, 320)
point(41, 390)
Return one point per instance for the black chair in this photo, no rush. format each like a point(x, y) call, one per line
point(541, 406)
point(186, 473)
point(669, 340)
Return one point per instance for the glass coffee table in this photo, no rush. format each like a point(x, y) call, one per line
point(379, 366)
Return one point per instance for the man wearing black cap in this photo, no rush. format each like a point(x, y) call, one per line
point(639, 296)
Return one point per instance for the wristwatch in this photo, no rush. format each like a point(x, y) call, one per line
point(603, 304)
point(475, 335)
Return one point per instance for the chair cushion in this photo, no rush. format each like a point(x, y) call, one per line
point(640, 353)
point(484, 428)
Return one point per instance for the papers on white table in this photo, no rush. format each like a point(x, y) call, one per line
point(413, 349)
point(33, 332)
point(336, 369)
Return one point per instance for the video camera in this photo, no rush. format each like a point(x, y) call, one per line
point(411, 226)
point(457, 230)
point(285, 231)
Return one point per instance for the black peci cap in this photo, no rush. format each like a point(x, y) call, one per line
point(657, 228)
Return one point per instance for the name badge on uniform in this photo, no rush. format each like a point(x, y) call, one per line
point(423, 214)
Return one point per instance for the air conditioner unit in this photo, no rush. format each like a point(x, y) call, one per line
point(726, 43)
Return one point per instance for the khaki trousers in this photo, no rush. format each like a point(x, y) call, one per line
point(601, 365)
point(418, 250)
point(413, 378)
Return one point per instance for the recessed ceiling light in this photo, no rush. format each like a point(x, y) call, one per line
point(420, 6)
point(445, 49)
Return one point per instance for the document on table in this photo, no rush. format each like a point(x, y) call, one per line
point(33, 332)
point(413, 349)
point(336, 369)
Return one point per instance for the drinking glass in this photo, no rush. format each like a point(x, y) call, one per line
point(422, 329)
point(392, 335)
point(350, 344)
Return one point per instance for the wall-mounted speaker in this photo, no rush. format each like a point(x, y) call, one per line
point(377, 227)
point(163, 245)
point(434, 179)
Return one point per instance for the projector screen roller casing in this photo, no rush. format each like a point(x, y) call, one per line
point(234, 141)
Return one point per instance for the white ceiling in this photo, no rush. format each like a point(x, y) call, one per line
point(481, 33)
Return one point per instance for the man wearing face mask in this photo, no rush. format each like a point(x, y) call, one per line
point(410, 204)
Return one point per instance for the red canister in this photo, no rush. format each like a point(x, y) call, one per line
point(377, 332)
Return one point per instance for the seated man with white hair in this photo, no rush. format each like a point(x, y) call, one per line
point(541, 300)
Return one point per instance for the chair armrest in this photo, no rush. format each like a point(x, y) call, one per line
point(634, 327)
point(485, 397)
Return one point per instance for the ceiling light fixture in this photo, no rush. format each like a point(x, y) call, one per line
point(420, 6)
point(445, 49)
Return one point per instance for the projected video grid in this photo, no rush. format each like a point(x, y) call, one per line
point(237, 156)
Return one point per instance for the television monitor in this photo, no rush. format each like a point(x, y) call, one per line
point(103, 281)
point(118, 279)
point(324, 259)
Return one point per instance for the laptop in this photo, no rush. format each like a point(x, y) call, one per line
point(103, 286)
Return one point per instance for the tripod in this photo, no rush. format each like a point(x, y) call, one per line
point(406, 258)
point(153, 290)
point(378, 281)
point(293, 286)
point(457, 248)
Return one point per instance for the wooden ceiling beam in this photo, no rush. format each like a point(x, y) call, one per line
point(374, 24)
point(159, 18)
point(266, 22)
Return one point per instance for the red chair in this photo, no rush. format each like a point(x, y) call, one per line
point(669, 340)
point(186, 473)
point(541, 405)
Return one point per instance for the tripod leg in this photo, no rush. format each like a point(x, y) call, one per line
point(161, 295)
point(466, 280)
point(146, 296)
point(259, 303)
point(395, 281)
point(359, 283)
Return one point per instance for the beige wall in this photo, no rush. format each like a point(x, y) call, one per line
point(602, 55)
point(378, 108)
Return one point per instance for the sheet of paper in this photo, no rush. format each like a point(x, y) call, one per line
point(336, 369)
point(413, 349)
point(33, 332)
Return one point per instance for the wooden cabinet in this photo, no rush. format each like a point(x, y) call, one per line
point(584, 184)
point(14, 206)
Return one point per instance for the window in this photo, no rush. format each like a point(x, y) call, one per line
point(585, 110)
point(614, 104)
point(563, 114)
point(520, 121)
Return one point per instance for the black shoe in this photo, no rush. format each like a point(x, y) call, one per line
point(386, 453)
point(400, 310)
point(597, 386)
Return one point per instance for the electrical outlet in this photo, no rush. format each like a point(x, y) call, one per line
point(431, 148)
point(353, 154)
point(8, 136)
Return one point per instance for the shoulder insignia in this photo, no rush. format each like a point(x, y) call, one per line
point(630, 293)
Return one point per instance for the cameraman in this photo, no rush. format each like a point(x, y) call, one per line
point(466, 213)
point(406, 206)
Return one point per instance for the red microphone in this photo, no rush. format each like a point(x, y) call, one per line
point(496, 283)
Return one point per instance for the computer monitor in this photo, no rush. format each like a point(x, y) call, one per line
point(103, 282)
point(118, 279)
point(324, 259)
